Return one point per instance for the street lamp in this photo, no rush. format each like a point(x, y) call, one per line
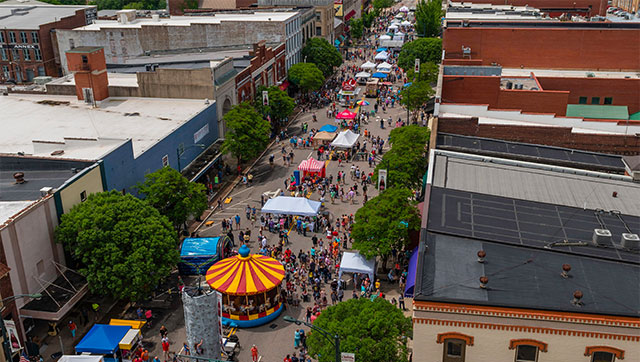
point(335, 339)
point(180, 153)
point(5, 337)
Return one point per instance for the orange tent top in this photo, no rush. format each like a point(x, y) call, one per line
point(245, 274)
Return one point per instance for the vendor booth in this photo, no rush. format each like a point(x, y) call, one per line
point(346, 114)
point(379, 75)
point(384, 67)
point(382, 56)
point(372, 88)
point(197, 255)
point(368, 64)
point(346, 96)
point(286, 205)
point(328, 128)
point(385, 37)
point(312, 167)
point(362, 77)
point(103, 339)
point(345, 139)
point(250, 288)
point(322, 139)
point(399, 36)
point(81, 358)
point(353, 262)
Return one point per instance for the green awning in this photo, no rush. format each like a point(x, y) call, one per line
point(635, 117)
point(596, 111)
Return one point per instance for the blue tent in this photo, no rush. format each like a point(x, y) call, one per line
point(102, 339)
point(328, 128)
point(381, 50)
point(407, 84)
point(198, 254)
point(379, 75)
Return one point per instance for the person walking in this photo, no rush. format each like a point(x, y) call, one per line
point(254, 353)
point(401, 302)
point(296, 339)
point(73, 328)
point(165, 348)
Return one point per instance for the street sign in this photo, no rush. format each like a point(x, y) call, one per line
point(417, 68)
point(348, 357)
point(382, 179)
point(265, 98)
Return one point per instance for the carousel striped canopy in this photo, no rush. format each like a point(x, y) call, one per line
point(245, 274)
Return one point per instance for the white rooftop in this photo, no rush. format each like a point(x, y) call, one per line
point(31, 15)
point(87, 133)
point(258, 16)
point(11, 208)
point(525, 72)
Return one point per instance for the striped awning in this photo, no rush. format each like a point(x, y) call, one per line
point(245, 274)
point(311, 165)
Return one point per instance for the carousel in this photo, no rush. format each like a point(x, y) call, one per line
point(250, 288)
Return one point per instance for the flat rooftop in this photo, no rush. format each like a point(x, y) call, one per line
point(30, 16)
point(87, 133)
point(542, 23)
point(258, 16)
point(11, 208)
point(525, 72)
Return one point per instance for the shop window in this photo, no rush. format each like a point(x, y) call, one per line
point(603, 353)
point(12, 37)
point(35, 38)
point(595, 100)
point(165, 160)
point(608, 100)
point(526, 353)
point(23, 37)
point(582, 100)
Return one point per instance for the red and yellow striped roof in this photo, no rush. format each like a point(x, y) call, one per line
point(245, 274)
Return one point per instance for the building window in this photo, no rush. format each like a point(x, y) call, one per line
point(454, 350)
point(83, 196)
point(85, 60)
point(1, 37)
point(603, 353)
point(27, 54)
point(3, 54)
point(603, 357)
point(5, 72)
point(318, 31)
point(595, 100)
point(526, 353)
point(35, 38)
point(12, 37)
point(37, 54)
point(41, 71)
point(23, 37)
point(582, 100)
point(165, 160)
point(608, 100)
point(16, 54)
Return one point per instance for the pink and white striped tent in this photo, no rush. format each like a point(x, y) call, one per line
point(311, 165)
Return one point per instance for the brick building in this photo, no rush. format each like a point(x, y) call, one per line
point(27, 37)
point(266, 67)
point(323, 22)
point(557, 7)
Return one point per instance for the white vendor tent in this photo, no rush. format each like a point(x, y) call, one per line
point(286, 205)
point(356, 263)
point(345, 139)
point(384, 65)
point(382, 56)
point(368, 65)
point(385, 37)
point(363, 75)
point(405, 23)
point(81, 358)
point(393, 27)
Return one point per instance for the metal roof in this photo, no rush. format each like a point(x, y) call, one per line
point(597, 111)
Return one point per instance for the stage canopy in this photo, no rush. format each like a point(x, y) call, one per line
point(346, 114)
point(368, 65)
point(411, 273)
point(328, 128)
point(345, 139)
point(382, 56)
point(245, 274)
point(286, 205)
point(363, 75)
point(379, 75)
point(102, 339)
point(356, 263)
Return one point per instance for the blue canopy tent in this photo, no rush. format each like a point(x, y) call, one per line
point(379, 75)
point(197, 255)
point(102, 339)
point(328, 128)
point(411, 274)
point(381, 50)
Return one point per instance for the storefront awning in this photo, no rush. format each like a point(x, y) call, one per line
point(284, 85)
point(349, 15)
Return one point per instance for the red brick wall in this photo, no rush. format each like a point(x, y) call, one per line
point(261, 54)
point(625, 92)
point(595, 49)
point(46, 46)
point(597, 6)
point(533, 101)
point(552, 136)
point(92, 74)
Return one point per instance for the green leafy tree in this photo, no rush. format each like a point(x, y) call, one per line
point(248, 132)
point(321, 53)
point(428, 73)
point(382, 4)
point(173, 195)
point(425, 49)
point(405, 167)
point(376, 331)
point(416, 95)
point(121, 4)
point(412, 136)
point(124, 245)
point(369, 17)
point(306, 76)
point(356, 28)
point(136, 5)
point(280, 104)
point(384, 222)
point(428, 17)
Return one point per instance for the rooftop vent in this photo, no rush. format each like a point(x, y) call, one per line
point(19, 177)
point(566, 268)
point(57, 152)
point(630, 241)
point(601, 237)
point(481, 255)
point(483, 282)
point(46, 191)
point(577, 298)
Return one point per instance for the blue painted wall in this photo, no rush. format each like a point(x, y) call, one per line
point(122, 171)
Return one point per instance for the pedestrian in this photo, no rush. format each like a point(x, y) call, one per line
point(185, 349)
point(237, 217)
point(296, 339)
point(145, 356)
point(163, 331)
point(165, 348)
point(156, 359)
point(254, 353)
point(148, 315)
point(73, 328)
point(401, 302)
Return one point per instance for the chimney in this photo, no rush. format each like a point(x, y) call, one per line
point(19, 177)
point(483, 282)
point(481, 255)
point(577, 297)
point(566, 268)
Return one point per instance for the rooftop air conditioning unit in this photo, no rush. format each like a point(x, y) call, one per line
point(601, 237)
point(630, 241)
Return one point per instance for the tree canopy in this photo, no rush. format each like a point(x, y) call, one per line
point(306, 76)
point(356, 28)
point(321, 53)
point(428, 17)
point(247, 132)
point(280, 104)
point(173, 195)
point(369, 17)
point(406, 161)
point(376, 331)
point(124, 245)
point(416, 95)
point(119, 4)
point(428, 73)
point(410, 136)
point(425, 49)
point(384, 222)
point(382, 4)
